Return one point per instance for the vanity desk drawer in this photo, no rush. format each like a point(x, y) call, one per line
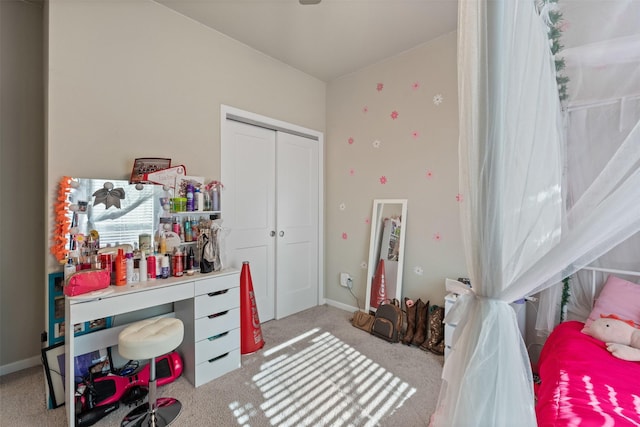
point(209, 326)
point(217, 301)
point(216, 345)
point(216, 284)
point(216, 367)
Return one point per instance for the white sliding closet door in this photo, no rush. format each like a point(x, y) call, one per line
point(248, 207)
point(297, 224)
point(270, 207)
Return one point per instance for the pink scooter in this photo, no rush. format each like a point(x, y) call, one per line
point(103, 395)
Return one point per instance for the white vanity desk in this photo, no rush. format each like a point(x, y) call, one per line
point(197, 298)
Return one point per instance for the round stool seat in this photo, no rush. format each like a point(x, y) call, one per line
point(150, 338)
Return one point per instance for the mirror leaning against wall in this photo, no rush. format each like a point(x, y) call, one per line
point(386, 252)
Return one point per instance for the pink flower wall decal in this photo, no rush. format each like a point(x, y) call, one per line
point(394, 114)
point(352, 172)
point(344, 236)
point(459, 197)
point(379, 87)
point(365, 109)
point(437, 237)
point(367, 221)
point(383, 180)
point(415, 134)
point(350, 140)
point(429, 174)
point(415, 86)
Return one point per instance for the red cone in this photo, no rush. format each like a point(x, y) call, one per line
point(379, 286)
point(250, 331)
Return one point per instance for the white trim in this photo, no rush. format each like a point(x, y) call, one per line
point(232, 113)
point(20, 365)
point(340, 305)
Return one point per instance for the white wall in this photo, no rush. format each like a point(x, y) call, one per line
point(417, 152)
point(21, 183)
point(136, 79)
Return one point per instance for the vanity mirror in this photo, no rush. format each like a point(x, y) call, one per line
point(120, 212)
point(386, 250)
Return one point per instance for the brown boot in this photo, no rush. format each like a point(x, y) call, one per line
point(435, 342)
point(411, 322)
point(421, 323)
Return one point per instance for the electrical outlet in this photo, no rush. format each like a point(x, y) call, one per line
point(345, 278)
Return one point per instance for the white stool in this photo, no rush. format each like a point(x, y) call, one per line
point(149, 339)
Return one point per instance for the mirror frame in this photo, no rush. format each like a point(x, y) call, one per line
point(374, 243)
point(94, 216)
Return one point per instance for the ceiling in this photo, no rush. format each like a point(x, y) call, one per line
point(326, 40)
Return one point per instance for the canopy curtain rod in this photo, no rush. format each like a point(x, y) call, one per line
point(591, 104)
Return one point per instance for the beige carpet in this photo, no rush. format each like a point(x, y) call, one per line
point(314, 370)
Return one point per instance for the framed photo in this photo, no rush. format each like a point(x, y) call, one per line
point(53, 360)
point(96, 362)
point(147, 165)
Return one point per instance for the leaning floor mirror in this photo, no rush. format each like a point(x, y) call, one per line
point(386, 252)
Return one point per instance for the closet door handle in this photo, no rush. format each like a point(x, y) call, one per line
point(272, 233)
point(281, 233)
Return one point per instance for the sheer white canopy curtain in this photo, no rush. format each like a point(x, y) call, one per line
point(602, 55)
point(520, 235)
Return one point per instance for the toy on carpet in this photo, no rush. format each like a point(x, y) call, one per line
point(98, 397)
point(622, 337)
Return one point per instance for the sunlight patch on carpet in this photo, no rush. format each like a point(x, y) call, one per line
point(316, 379)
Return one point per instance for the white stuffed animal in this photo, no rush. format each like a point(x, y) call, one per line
point(622, 337)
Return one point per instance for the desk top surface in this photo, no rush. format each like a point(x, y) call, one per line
point(113, 291)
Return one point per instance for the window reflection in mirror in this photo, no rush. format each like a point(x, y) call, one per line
point(137, 214)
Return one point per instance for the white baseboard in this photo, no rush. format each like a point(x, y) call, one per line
point(20, 365)
point(340, 305)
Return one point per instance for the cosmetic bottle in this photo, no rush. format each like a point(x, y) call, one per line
point(199, 200)
point(188, 237)
point(159, 258)
point(120, 269)
point(207, 200)
point(165, 266)
point(215, 199)
point(69, 269)
point(190, 259)
point(151, 267)
point(190, 198)
point(143, 267)
point(129, 266)
point(163, 244)
point(178, 263)
point(195, 230)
